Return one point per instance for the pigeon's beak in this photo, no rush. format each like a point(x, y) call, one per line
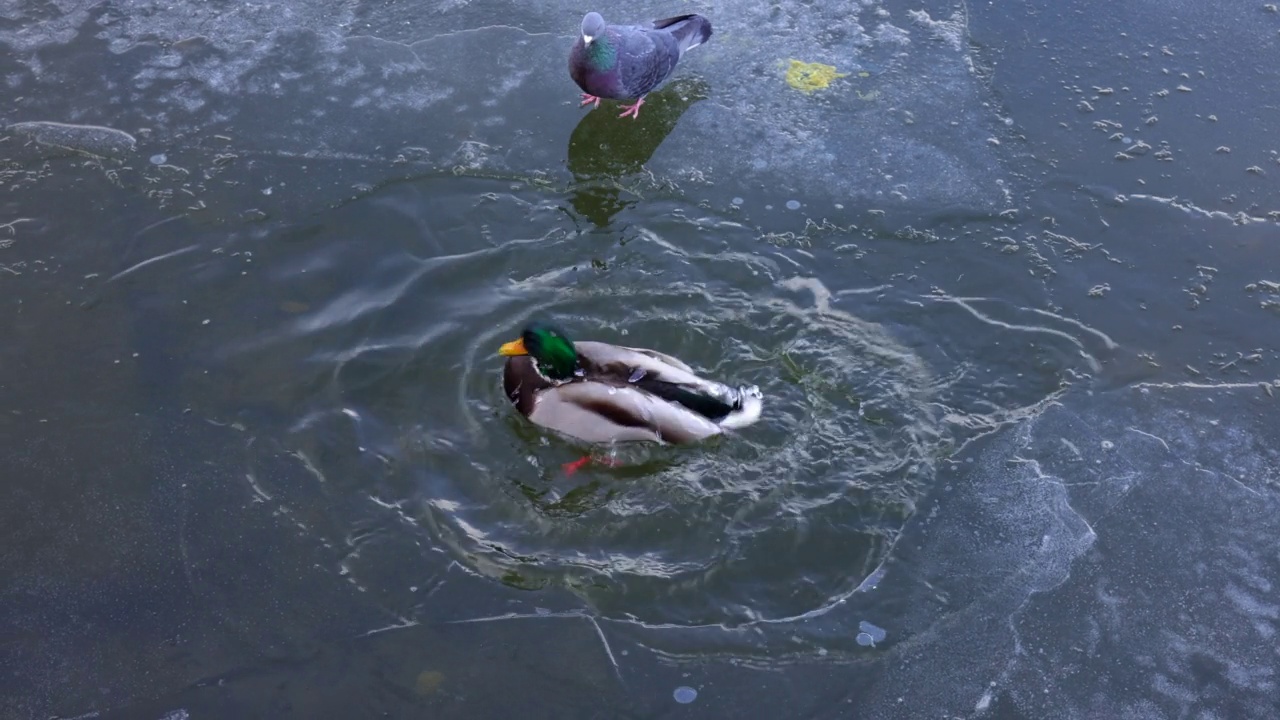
point(586, 39)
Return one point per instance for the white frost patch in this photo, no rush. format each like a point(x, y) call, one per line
point(1238, 218)
point(890, 34)
point(1251, 605)
point(1167, 687)
point(950, 31)
point(1257, 678)
point(984, 702)
point(90, 139)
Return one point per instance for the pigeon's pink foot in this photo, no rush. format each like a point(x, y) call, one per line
point(573, 467)
point(632, 110)
point(588, 99)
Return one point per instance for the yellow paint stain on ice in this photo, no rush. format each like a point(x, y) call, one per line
point(810, 77)
point(428, 682)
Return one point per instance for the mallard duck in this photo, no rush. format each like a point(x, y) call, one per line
point(602, 393)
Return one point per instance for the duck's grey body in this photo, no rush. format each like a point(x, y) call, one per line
point(622, 394)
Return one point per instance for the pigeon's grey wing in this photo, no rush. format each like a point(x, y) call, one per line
point(647, 58)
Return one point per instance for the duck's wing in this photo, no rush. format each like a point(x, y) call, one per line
point(663, 358)
point(622, 362)
point(658, 374)
point(600, 412)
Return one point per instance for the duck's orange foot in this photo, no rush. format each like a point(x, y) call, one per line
point(573, 467)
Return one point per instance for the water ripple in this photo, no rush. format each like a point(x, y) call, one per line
point(383, 357)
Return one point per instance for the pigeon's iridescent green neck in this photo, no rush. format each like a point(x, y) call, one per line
point(601, 54)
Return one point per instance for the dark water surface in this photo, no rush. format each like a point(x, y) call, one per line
point(1010, 286)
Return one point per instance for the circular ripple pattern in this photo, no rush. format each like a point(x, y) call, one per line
point(765, 524)
point(391, 348)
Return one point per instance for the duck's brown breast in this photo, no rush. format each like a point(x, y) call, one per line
point(521, 381)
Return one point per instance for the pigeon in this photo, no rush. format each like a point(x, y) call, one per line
point(623, 62)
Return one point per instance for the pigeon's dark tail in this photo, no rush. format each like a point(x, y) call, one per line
point(690, 30)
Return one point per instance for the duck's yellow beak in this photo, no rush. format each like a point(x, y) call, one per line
point(515, 347)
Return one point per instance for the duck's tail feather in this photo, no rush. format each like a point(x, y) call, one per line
point(725, 406)
point(709, 406)
point(746, 410)
point(689, 30)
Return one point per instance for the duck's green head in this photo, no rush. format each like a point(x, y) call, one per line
point(547, 344)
